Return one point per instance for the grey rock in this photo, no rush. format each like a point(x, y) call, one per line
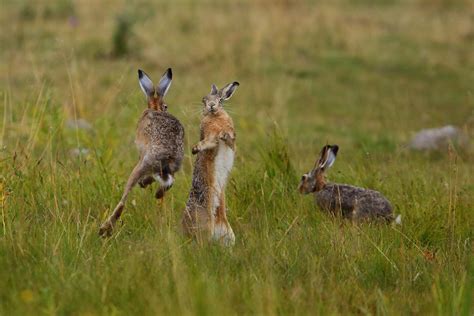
point(437, 138)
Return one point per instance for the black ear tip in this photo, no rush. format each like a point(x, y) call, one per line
point(236, 83)
point(140, 73)
point(335, 149)
point(169, 73)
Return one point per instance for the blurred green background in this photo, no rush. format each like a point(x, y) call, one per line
point(362, 74)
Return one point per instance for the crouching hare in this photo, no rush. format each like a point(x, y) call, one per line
point(351, 202)
point(159, 139)
point(205, 214)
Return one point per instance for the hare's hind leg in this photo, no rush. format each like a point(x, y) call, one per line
point(221, 230)
point(195, 222)
point(138, 172)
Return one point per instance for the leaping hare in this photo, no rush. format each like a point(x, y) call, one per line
point(159, 139)
point(353, 202)
point(205, 213)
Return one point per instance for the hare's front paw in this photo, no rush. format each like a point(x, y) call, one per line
point(226, 138)
point(195, 149)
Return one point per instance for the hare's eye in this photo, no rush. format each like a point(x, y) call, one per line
point(303, 177)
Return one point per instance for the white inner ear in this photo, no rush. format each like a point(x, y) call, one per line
point(331, 159)
point(230, 88)
point(146, 85)
point(164, 85)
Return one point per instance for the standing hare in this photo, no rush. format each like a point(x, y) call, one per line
point(205, 211)
point(353, 202)
point(159, 139)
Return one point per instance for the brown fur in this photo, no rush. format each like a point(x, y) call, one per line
point(160, 142)
point(341, 199)
point(354, 203)
point(217, 133)
point(155, 102)
point(320, 180)
point(217, 126)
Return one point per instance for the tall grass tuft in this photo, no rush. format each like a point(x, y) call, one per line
point(123, 31)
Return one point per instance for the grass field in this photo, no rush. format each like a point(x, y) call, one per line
point(365, 75)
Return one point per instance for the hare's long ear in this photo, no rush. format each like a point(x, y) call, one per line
point(214, 90)
point(228, 90)
point(165, 83)
point(327, 157)
point(332, 153)
point(145, 83)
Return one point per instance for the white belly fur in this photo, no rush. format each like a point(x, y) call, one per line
point(222, 166)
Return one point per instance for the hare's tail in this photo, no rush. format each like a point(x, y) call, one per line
point(398, 219)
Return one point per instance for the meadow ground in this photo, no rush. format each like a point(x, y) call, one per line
point(362, 74)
